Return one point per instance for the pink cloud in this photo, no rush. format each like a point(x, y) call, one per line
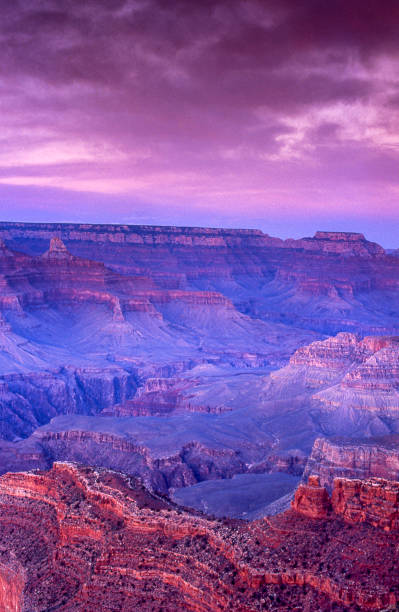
point(242, 111)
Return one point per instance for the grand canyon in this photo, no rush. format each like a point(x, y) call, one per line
point(199, 306)
point(197, 419)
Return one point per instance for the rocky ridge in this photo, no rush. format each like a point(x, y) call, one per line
point(374, 501)
point(333, 277)
point(64, 319)
point(96, 538)
point(358, 458)
point(351, 384)
point(164, 453)
point(193, 438)
point(140, 322)
point(335, 242)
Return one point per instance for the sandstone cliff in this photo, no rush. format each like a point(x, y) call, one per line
point(354, 458)
point(96, 539)
point(127, 322)
point(314, 283)
point(374, 501)
point(332, 242)
point(351, 384)
point(67, 322)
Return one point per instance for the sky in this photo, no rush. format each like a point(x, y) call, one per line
point(274, 114)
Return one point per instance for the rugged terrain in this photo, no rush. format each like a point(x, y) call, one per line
point(214, 367)
point(184, 355)
point(354, 458)
point(332, 282)
point(75, 538)
point(351, 384)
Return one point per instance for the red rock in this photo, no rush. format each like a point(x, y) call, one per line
point(359, 458)
point(374, 501)
point(82, 539)
point(312, 500)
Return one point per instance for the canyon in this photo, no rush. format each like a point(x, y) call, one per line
point(159, 385)
point(184, 355)
point(79, 538)
point(341, 281)
point(190, 331)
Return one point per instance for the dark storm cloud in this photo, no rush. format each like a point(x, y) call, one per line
point(75, 41)
point(212, 101)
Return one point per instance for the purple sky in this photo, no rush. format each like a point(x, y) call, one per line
point(281, 115)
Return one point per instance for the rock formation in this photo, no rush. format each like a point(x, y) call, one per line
point(29, 400)
point(67, 322)
point(344, 243)
point(339, 280)
point(338, 242)
point(351, 384)
point(57, 250)
point(354, 458)
point(200, 423)
point(164, 453)
point(162, 324)
point(374, 501)
point(75, 538)
point(312, 500)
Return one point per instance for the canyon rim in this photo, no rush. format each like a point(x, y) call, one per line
point(199, 306)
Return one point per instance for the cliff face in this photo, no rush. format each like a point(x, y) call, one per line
point(98, 539)
point(351, 384)
point(371, 384)
point(265, 277)
point(374, 501)
point(78, 337)
point(228, 425)
point(165, 453)
point(341, 242)
point(29, 400)
point(344, 243)
point(357, 458)
point(114, 322)
point(312, 500)
point(322, 363)
point(12, 582)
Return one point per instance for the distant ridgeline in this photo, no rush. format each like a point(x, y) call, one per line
point(33, 234)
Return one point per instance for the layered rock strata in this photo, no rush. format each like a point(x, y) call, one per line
point(163, 453)
point(29, 400)
point(351, 384)
point(67, 322)
point(374, 501)
point(331, 282)
point(331, 242)
point(354, 458)
point(95, 539)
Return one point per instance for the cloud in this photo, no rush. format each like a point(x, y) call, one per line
point(238, 103)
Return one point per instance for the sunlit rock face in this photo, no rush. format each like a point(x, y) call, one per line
point(374, 501)
point(96, 539)
point(312, 500)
